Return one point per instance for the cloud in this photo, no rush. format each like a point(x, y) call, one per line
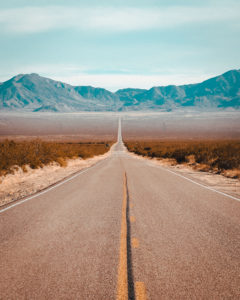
point(112, 80)
point(110, 19)
point(118, 81)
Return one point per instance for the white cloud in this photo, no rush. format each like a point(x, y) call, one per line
point(40, 19)
point(118, 81)
point(79, 76)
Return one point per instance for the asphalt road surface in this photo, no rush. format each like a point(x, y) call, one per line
point(123, 229)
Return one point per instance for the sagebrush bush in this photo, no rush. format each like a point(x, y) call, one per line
point(38, 153)
point(220, 154)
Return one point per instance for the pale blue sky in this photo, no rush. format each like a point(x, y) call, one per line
point(116, 44)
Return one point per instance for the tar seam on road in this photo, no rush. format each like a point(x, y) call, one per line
point(125, 287)
point(202, 185)
point(51, 188)
point(131, 289)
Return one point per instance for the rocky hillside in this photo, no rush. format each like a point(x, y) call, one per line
point(32, 92)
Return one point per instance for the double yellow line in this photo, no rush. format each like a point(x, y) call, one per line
point(122, 288)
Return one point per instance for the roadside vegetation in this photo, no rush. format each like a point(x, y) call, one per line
point(37, 153)
point(221, 156)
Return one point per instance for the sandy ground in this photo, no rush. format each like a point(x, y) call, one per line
point(221, 183)
point(21, 184)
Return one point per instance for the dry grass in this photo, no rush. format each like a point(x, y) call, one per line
point(222, 157)
point(38, 153)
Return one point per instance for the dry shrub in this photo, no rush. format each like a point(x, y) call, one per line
point(216, 155)
point(61, 161)
point(24, 168)
point(191, 159)
point(37, 153)
point(235, 173)
point(202, 167)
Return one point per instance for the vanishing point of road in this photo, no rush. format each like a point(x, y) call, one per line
point(122, 229)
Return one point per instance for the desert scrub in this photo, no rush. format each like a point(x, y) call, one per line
point(217, 155)
point(38, 153)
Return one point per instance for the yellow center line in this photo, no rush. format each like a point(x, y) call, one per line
point(122, 288)
point(132, 219)
point(122, 285)
point(135, 243)
point(140, 291)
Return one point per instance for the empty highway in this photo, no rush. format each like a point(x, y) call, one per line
point(122, 229)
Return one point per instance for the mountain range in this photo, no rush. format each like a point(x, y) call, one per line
point(34, 93)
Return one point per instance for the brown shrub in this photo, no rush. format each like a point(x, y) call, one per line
point(211, 155)
point(38, 153)
point(61, 161)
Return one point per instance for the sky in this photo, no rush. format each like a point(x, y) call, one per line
point(117, 43)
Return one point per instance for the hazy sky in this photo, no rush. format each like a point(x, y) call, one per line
point(115, 44)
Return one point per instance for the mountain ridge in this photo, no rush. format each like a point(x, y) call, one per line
point(32, 92)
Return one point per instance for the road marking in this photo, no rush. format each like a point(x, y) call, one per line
point(135, 243)
point(132, 219)
point(122, 284)
point(140, 291)
point(52, 187)
point(202, 185)
point(122, 287)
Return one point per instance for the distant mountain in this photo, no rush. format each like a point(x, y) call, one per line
point(31, 92)
point(219, 92)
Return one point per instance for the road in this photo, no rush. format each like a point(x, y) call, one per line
point(123, 229)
